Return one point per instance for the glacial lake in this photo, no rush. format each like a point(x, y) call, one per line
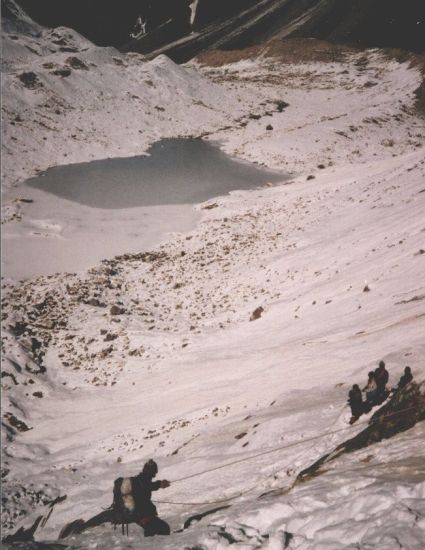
point(174, 171)
point(79, 214)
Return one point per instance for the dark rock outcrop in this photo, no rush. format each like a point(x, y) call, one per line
point(400, 413)
point(24, 535)
point(79, 525)
point(256, 314)
point(235, 24)
point(14, 19)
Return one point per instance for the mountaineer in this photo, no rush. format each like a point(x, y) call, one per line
point(381, 379)
point(132, 501)
point(405, 379)
point(355, 401)
point(371, 388)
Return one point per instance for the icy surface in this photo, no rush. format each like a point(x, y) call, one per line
point(180, 171)
point(124, 204)
point(154, 355)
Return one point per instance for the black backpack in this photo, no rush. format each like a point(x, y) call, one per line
point(124, 504)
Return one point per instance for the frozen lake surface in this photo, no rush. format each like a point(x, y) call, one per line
point(83, 213)
point(175, 171)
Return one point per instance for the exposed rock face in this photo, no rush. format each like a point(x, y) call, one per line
point(208, 12)
point(400, 413)
point(382, 23)
point(110, 23)
point(14, 19)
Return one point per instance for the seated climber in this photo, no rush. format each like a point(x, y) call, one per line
point(405, 379)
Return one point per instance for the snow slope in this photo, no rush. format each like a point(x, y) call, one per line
point(154, 354)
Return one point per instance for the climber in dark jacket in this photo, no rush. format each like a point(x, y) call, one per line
point(355, 401)
point(381, 379)
point(145, 509)
point(405, 379)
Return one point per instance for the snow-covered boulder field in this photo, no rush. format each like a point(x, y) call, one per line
point(235, 343)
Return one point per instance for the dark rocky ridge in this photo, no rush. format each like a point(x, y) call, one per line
point(400, 413)
point(235, 23)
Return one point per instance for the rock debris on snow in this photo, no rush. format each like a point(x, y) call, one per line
point(151, 353)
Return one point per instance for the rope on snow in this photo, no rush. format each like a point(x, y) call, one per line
point(262, 453)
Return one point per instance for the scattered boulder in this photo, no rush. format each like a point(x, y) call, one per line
point(281, 105)
point(30, 80)
point(102, 354)
point(19, 328)
point(19, 425)
point(369, 84)
point(68, 49)
point(269, 127)
point(62, 72)
point(118, 61)
point(256, 314)
point(116, 310)
point(76, 63)
point(95, 302)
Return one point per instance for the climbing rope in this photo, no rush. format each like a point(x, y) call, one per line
point(221, 501)
point(263, 453)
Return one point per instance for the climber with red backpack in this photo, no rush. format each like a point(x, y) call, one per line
point(132, 501)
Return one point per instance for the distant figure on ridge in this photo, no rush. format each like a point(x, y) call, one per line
point(132, 501)
point(371, 389)
point(355, 401)
point(381, 379)
point(405, 379)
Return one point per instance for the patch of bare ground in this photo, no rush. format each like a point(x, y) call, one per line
point(417, 61)
point(305, 50)
point(420, 95)
point(290, 50)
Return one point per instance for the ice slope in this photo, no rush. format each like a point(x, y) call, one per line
point(154, 354)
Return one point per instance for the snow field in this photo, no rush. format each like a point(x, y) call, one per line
point(154, 353)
